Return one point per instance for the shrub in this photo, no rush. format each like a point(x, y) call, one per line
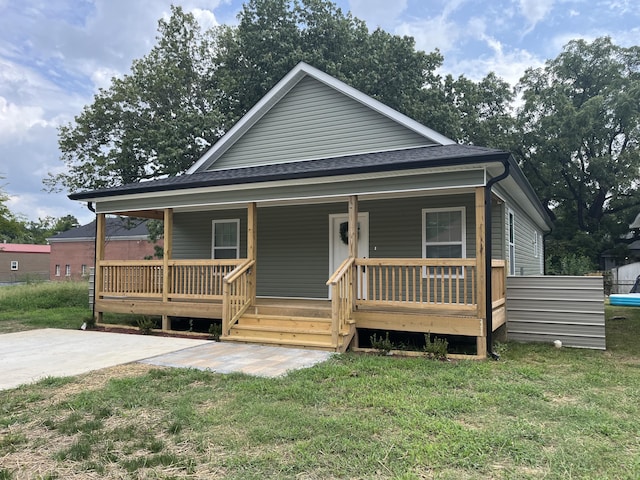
point(436, 348)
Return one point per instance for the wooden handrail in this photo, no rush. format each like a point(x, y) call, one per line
point(417, 262)
point(239, 270)
point(344, 266)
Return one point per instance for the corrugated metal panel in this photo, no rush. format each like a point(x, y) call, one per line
point(389, 183)
point(549, 308)
point(314, 121)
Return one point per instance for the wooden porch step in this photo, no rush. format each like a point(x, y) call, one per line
point(317, 310)
point(281, 342)
point(288, 322)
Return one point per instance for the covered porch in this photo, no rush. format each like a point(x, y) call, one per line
point(444, 296)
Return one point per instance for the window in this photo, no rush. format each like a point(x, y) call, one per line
point(226, 239)
point(57, 270)
point(67, 270)
point(443, 233)
point(14, 265)
point(84, 270)
point(512, 243)
point(536, 250)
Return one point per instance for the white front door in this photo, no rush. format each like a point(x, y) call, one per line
point(338, 239)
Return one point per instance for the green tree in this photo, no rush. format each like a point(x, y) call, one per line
point(580, 127)
point(154, 122)
point(193, 86)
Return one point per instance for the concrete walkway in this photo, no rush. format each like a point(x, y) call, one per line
point(35, 354)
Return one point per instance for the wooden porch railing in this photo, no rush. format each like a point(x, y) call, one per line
point(238, 294)
point(498, 282)
point(188, 279)
point(199, 279)
point(131, 278)
point(342, 301)
point(417, 283)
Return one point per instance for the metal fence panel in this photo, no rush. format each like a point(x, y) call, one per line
point(549, 308)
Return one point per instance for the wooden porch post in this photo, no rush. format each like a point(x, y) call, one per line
point(353, 226)
point(353, 245)
point(98, 284)
point(252, 246)
point(166, 256)
point(481, 271)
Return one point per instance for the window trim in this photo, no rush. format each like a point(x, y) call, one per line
point(14, 265)
point(67, 270)
point(463, 233)
point(213, 236)
point(57, 270)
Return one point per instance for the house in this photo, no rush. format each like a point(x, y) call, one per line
point(73, 251)
point(323, 213)
point(22, 262)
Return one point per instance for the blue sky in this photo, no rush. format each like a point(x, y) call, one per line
point(55, 54)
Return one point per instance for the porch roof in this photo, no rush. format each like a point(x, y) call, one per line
point(422, 157)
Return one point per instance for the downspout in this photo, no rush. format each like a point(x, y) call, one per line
point(487, 256)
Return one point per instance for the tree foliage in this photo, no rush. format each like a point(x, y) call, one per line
point(194, 85)
point(580, 127)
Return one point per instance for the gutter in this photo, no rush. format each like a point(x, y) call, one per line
point(487, 255)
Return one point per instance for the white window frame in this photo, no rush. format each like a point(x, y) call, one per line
point(536, 251)
point(83, 269)
point(511, 240)
point(213, 236)
point(67, 270)
point(462, 243)
point(57, 270)
point(14, 265)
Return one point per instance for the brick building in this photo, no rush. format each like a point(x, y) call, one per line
point(22, 262)
point(73, 251)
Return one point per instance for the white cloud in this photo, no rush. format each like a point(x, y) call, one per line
point(16, 121)
point(378, 13)
point(535, 11)
point(432, 33)
point(510, 65)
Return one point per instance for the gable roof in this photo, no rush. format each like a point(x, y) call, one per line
point(282, 88)
point(24, 248)
point(116, 228)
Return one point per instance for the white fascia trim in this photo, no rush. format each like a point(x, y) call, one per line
point(299, 200)
point(282, 88)
point(295, 182)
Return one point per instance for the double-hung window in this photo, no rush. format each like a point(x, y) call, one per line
point(14, 265)
point(226, 239)
point(443, 233)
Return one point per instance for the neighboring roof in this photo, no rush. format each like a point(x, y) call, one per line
point(422, 157)
point(24, 248)
point(285, 85)
point(116, 228)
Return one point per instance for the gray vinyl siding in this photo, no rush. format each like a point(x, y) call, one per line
point(384, 184)
point(192, 233)
point(315, 121)
point(293, 241)
point(395, 226)
point(549, 308)
point(527, 263)
point(498, 247)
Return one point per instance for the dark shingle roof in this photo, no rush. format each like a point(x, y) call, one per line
point(115, 227)
point(421, 157)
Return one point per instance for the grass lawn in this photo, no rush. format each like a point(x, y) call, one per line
point(539, 412)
